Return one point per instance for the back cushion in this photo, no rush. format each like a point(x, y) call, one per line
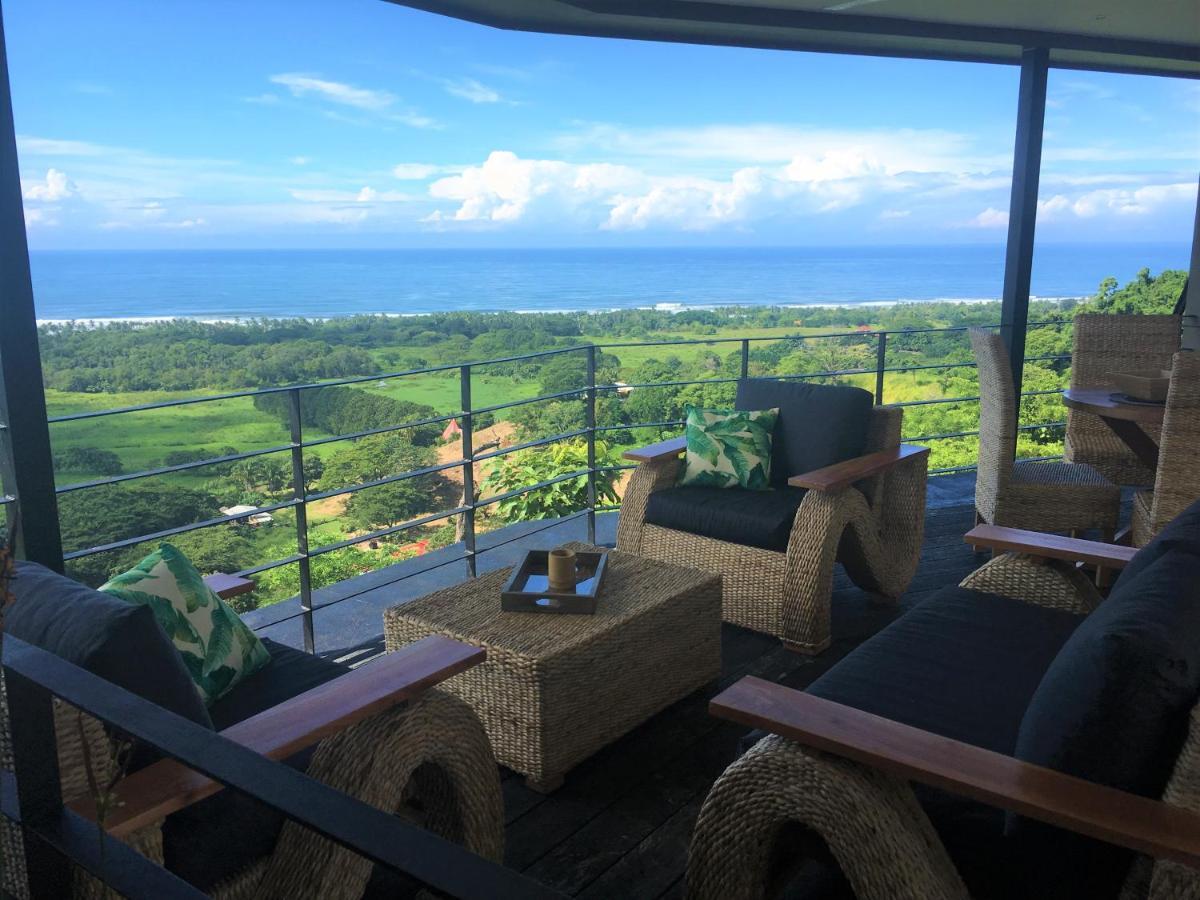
point(1182, 532)
point(112, 639)
point(1113, 707)
point(818, 424)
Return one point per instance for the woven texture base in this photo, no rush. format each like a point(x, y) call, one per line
point(556, 688)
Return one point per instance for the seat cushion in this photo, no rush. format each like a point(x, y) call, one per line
point(220, 836)
point(218, 648)
point(120, 643)
point(750, 518)
point(818, 424)
point(962, 664)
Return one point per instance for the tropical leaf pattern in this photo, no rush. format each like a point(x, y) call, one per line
point(219, 650)
point(728, 448)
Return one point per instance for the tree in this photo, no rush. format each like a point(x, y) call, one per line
point(272, 473)
point(88, 459)
point(387, 504)
point(372, 458)
point(528, 467)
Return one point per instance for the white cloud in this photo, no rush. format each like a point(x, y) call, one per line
point(55, 187)
point(895, 214)
point(366, 194)
point(990, 218)
point(29, 145)
point(416, 171)
point(472, 90)
point(42, 217)
point(264, 99)
point(1138, 202)
point(300, 160)
point(335, 91)
point(374, 101)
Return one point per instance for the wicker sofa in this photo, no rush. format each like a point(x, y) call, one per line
point(1017, 690)
point(376, 732)
point(858, 499)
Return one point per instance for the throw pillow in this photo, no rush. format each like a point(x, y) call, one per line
point(218, 648)
point(728, 448)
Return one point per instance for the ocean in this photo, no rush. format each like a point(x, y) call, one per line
point(232, 284)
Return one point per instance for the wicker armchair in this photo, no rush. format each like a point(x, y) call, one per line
point(1105, 343)
point(379, 733)
point(1042, 496)
point(847, 778)
point(867, 513)
point(1177, 480)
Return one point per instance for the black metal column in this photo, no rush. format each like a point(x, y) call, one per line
point(1022, 207)
point(22, 401)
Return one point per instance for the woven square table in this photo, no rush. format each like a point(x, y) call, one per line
point(556, 688)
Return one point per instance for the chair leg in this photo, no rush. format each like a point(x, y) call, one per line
point(978, 521)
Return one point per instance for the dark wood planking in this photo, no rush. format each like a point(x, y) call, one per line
point(842, 475)
point(654, 452)
point(1050, 546)
point(226, 586)
point(167, 786)
point(1146, 826)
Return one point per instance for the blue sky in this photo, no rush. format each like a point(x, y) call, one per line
point(358, 123)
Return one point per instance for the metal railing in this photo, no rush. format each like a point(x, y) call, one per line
point(467, 416)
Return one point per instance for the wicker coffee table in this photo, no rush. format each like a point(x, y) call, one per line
point(556, 688)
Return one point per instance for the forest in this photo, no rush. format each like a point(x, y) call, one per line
point(408, 370)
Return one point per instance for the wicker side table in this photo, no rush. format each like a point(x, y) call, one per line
point(557, 688)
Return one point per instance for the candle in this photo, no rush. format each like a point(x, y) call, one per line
point(562, 570)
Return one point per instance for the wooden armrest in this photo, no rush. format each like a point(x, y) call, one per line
point(655, 452)
point(167, 786)
point(1147, 826)
point(226, 586)
point(1050, 546)
point(842, 475)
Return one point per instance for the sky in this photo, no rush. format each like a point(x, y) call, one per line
point(360, 123)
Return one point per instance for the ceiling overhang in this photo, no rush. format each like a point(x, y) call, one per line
point(1159, 37)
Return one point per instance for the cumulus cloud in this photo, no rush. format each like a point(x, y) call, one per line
point(366, 194)
point(56, 186)
point(1136, 202)
point(990, 218)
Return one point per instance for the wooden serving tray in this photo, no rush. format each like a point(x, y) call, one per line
point(528, 588)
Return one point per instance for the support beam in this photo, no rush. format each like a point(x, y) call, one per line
point(22, 400)
point(1191, 309)
point(1022, 207)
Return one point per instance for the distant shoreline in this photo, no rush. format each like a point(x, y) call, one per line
point(94, 322)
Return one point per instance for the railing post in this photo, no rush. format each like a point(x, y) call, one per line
point(880, 365)
point(591, 442)
point(468, 453)
point(300, 493)
point(39, 789)
point(745, 357)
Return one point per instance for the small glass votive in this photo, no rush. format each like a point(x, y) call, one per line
point(561, 570)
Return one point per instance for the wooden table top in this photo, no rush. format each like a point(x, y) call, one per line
point(1098, 400)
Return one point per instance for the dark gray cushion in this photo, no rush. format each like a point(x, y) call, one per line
point(750, 518)
point(818, 424)
point(115, 640)
point(1181, 532)
point(964, 665)
point(1113, 708)
point(216, 838)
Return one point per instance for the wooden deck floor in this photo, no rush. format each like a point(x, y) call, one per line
point(621, 824)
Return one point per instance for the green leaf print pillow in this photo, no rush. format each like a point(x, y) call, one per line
point(218, 648)
point(728, 448)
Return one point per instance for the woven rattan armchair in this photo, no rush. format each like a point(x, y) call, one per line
point(1042, 496)
point(382, 733)
point(1105, 343)
point(867, 513)
point(846, 777)
point(1177, 480)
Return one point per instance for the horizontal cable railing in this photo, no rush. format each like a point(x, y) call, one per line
point(464, 512)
